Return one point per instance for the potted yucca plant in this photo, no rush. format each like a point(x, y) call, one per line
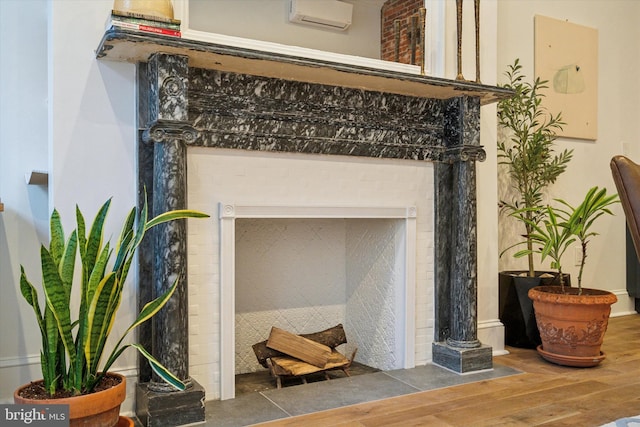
point(74, 370)
point(572, 321)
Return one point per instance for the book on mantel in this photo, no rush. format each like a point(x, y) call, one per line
point(144, 23)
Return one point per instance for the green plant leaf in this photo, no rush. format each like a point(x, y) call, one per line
point(31, 296)
point(173, 215)
point(99, 321)
point(100, 292)
point(67, 264)
point(56, 297)
point(160, 370)
point(56, 245)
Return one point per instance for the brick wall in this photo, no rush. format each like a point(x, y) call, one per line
point(401, 10)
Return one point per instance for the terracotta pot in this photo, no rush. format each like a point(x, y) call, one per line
point(572, 326)
point(100, 409)
point(125, 422)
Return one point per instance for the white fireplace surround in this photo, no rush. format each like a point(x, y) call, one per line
point(229, 213)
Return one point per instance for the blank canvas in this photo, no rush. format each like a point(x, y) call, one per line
point(566, 54)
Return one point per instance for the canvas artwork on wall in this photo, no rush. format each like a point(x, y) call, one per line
point(566, 54)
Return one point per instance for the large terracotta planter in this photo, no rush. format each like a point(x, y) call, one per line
point(100, 409)
point(572, 326)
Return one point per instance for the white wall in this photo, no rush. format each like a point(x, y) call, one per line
point(66, 112)
point(618, 94)
point(268, 20)
point(23, 147)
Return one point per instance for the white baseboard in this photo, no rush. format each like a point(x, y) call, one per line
point(491, 333)
point(625, 305)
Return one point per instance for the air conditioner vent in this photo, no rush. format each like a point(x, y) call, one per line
point(330, 14)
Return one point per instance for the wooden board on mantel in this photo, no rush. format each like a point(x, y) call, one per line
point(299, 347)
point(128, 46)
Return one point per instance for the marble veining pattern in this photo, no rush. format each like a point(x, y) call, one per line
point(257, 113)
point(211, 108)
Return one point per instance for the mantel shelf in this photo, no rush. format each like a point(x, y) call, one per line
point(128, 46)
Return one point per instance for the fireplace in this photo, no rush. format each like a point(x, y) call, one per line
point(338, 194)
point(306, 268)
point(217, 120)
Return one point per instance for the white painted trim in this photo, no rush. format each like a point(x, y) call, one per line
point(435, 35)
point(227, 301)
point(410, 289)
point(11, 362)
point(264, 211)
point(625, 305)
point(491, 333)
point(34, 359)
point(229, 212)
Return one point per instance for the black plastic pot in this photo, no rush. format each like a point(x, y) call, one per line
point(516, 309)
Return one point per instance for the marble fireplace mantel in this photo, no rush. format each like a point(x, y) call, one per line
point(192, 93)
point(128, 46)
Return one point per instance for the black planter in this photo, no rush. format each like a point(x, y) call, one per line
point(516, 309)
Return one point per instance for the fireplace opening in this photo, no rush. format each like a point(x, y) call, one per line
point(305, 270)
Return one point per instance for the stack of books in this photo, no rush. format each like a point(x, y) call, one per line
point(144, 23)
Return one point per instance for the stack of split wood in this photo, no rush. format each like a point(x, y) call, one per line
point(291, 355)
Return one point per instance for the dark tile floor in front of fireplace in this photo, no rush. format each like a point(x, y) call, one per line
point(257, 400)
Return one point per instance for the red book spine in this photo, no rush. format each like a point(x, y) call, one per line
point(159, 30)
point(146, 28)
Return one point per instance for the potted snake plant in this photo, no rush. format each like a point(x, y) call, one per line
point(73, 368)
point(572, 320)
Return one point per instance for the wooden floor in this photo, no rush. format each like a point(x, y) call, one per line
point(544, 395)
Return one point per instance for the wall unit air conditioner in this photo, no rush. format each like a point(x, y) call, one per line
point(330, 14)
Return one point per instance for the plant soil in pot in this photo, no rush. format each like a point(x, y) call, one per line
point(572, 326)
point(98, 409)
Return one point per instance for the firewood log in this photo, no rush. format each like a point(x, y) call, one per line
point(331, 337)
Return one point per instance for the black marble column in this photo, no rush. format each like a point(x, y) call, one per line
point(169, 132)
point(457, 346)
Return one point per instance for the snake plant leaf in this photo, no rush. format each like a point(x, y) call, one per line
point(56, 301)
point(147, 312)
point(126, 236)
point(98, 320)
point(31, 296)
point(67, 264)
point(142, 225)
point(172, 215)
point(52, 338)
point(94, 239)
point(97, 274)
point(56, 245)
point(80, 229)
point(152, 307)
point(160, 370)
point(48, 332)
